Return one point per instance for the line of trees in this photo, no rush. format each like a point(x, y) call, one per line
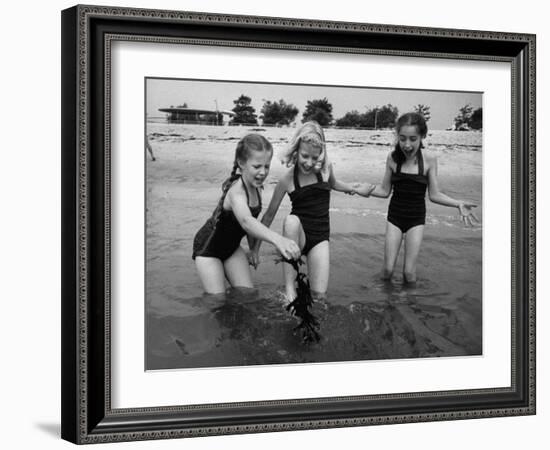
point(281, 113)
point(378, 117)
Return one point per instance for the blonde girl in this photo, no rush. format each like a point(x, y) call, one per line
point(308, 183)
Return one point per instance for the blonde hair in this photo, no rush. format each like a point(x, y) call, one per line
point(311, 133)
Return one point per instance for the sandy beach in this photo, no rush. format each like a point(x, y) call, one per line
point(363, 317)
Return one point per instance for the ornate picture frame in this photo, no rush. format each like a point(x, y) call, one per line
point(88, 414)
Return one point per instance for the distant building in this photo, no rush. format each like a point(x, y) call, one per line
point(196, 116)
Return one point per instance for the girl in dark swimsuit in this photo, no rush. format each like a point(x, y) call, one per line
point(408, 174)
point(216, 247)
point(308, 183)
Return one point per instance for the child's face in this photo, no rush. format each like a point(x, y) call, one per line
point(256, 168)
point(409, 140)
point(308, 157)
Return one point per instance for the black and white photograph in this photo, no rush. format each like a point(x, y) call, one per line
point(293, 223)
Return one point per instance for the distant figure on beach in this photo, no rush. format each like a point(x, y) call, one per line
point(216, 247)
point(308, 183)
point(149, 148)
point(409, 172)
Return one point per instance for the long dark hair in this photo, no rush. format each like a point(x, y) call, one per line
point(409, 119)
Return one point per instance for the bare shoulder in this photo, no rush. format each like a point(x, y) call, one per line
point(390, 162)
point(235, 193)
point(287, 179)
point(327, 172)
point(430, 160)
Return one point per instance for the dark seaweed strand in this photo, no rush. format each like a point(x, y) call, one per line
point(301, 305)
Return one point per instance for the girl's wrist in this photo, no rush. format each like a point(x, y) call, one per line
point(277, 240)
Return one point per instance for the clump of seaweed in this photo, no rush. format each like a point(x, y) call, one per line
point(302, 304)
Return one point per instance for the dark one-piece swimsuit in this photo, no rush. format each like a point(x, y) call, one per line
point(221, 239)
point(407, 205)
point(311, 204)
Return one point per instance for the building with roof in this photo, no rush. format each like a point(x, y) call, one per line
point(197, 116)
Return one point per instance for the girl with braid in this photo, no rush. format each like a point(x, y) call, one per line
point(216, 247)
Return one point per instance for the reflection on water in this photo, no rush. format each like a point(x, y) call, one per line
point(252, 327)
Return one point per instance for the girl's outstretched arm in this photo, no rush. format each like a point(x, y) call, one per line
point(239, 205)
point(338, 185)
point(436, 196)
point(382, 190)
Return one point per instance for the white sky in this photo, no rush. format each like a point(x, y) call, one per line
point(444, 105)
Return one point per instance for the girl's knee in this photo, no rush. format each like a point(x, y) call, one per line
point(291, 225)
point(291, 222)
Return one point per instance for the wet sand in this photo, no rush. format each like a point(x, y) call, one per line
point(363, 317)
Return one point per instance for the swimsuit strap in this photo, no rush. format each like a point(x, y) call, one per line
point(420, 163)
point(259, 197)
point(296, 182)
point(246, 191)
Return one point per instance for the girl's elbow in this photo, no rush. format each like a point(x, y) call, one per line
point(246, 223)
point(383, 190)
point(434, 198)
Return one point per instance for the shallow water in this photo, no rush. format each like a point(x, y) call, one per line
point(363, 317)
point(245, 328)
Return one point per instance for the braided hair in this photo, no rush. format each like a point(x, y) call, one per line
point(409, 119)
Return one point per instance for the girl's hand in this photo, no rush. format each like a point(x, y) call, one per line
point(466, 214)
point(288, 248)
point(364, 189)
point(253, 258)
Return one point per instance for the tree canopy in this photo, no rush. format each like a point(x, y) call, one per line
point(467, 118)
point(244, 112)
point(319, 110)
point(278, 113)
point(378, 117)
point(423, 110)
point(476, 119)
point(386, 116)
point(352, 119)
